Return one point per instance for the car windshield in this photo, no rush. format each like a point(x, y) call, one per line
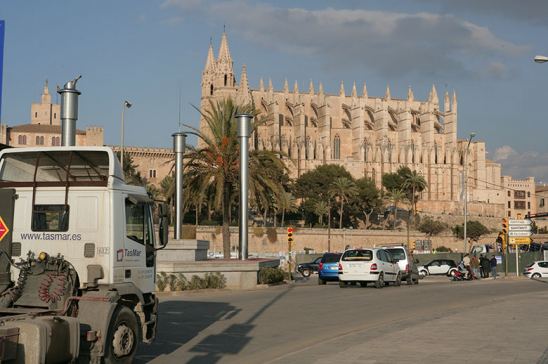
point(331, 258)
point(397, 253)
point(357, 255)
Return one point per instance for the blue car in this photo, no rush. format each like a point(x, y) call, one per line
point(328, 269)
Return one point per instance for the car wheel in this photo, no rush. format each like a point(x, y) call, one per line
point(342, 284)
point(363, 284)
point(397, 283)
point(379, 283)
point(423, 273)
point(306, 273)
point(321, 281)
point(451, 273)
point(536, 275)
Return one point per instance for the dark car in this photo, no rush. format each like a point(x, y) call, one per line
point(438, 266)
point(306, 269)
point(329, 268)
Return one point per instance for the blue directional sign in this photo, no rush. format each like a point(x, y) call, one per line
point(2, 26)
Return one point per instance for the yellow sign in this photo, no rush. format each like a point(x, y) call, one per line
point(3, 229)
point(514, 241)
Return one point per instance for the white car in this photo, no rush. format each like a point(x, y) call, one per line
point(373, 265)
point(536, 270)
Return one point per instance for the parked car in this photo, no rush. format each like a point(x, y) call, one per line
point(408, 266)
point(438, 266)
point(373, 265)
point(306, 269)
point(328, 270)
point(536, 270)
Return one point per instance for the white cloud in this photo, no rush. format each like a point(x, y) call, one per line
point(522, 164)
point(391, 43)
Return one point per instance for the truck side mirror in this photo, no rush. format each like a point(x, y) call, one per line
point(164, 225)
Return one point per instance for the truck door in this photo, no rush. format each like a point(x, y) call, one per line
point(7, 197)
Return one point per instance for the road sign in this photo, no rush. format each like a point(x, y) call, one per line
point(520, 222)
point(514, 241)
point(3, 229)
point(520, 228)
point(519, 234)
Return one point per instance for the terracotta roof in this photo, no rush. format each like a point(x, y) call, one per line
point(39, 128)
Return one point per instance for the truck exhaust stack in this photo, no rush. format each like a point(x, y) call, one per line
point(69, 112)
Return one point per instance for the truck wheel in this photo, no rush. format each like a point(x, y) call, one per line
point(123, 337)
point(306, 273)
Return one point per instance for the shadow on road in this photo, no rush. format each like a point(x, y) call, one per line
point(179, 322)
point(232, 340)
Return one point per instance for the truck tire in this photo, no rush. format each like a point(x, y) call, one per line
point(123, 337)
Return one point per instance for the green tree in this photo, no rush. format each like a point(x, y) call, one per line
point(286, 203)
point(321, 208)
point(215, 166)
point(474, 230)
point(367, 199)
point(396, 197)
point(394, 181)
point(342, 189)
point(431, 227)
point(131, 175)
point(413, 184)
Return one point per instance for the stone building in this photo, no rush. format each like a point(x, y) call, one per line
point(368, 135)
point(44, 128)
point(520, 197)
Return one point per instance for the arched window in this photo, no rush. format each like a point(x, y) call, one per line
point(226, 79)
point(35, 114)
point(211, 90)
point(337, 147)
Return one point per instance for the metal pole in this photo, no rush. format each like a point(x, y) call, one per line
point(122, 138)
point(179, 144)
point(122, 132)
point(517, 259)
point(244, 126)
point(69, 112)
point(466, 191)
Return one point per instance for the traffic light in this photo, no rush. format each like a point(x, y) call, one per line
point(505, 226)
point(412, 245)
point(501, 241)
point(289, 234)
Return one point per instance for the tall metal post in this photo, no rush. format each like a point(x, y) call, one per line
point(179, 144)
point(69, 112)
point(122, 132)
point(466, 190)
point(244, 127)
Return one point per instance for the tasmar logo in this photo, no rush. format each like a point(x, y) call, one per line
point(120, 253)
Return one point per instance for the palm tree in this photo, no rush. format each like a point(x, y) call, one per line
point(321, 208)
point(395, 197)
point(215, 163)
point(414, 183)
point(286, 202)
point(343, 189)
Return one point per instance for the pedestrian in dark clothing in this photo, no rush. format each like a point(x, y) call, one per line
point(493, 263)
point(485, 266)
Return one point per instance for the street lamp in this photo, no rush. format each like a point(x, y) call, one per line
point(466, 188)
point(126, 104)
point(541, 59)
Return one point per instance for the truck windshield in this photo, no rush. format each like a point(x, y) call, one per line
point(55, 166)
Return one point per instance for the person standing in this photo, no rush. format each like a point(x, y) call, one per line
point(493, 264)
point(485, 266)
point(474, 264)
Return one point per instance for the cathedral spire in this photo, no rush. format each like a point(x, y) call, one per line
point(244, 84)
point(224, 52)
point(286, 86)
point(210, 61)
point(446, 103)
point(270, 87)
point(261, 85)
point(342, 93)
point(296, 88)
point(311, 88)
point(364, 91)
point(454, 108)
point(320, 89)
point(354, 91)
point(387, 95)
point(434, 95)
point(410, 96)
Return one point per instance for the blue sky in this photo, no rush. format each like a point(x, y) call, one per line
point(152, 51)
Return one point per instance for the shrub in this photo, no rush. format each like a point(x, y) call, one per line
point(189, 232)
point(443, 249)
point(197, 283)
point(258, 231)
point(271, 234)
point(182, 283)
point(215, 280)
point(270, 275)
point(172, 282)
point(161, 281)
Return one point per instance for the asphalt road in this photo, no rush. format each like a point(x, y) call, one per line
point(437, 321)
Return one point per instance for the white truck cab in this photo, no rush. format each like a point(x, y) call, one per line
point(79, 244)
